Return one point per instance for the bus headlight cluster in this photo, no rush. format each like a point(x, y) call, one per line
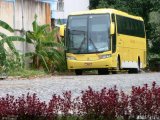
point(105, 56)
point(71, 58)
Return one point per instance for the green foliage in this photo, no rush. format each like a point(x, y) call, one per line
point(136, 7)
point(4, 54)
point(154, 50)
point(14, 62)
point(48, 53)
point(6, 26)
point(155, 35)
point(2, 35)
point(102, 4)
point(93, 4)
point(27, 73)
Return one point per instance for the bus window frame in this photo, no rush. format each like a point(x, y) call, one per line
point(114, 36)
point(123, 33)
point(66, 41)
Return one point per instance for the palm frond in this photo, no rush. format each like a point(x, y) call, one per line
point(6, 26)
point(43, 52)
point(29, 54)
point(2, 55)
point(12, 47)
point(44, 61)
point(2, 35)
point(9, 41)
point(52, 44)
point(29, 37)
point(51, 36)
point(42, 29)
point(2, 49)
point(56, 55)
point(12, 38)
point(35, 24)
point(59, 60)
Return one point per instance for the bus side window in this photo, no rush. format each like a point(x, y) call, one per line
point(114, 35)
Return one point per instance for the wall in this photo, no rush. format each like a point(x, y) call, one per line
point(22, 15)
point(6, 14)
point(30, 8)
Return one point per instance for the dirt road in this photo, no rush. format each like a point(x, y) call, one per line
point(46, 87)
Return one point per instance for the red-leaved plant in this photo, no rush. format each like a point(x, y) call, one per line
point(103, 104)
point(107, 104)
point(145, 102)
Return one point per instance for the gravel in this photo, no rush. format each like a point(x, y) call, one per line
point(46, 87)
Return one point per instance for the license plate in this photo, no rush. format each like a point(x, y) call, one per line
point(88, 64)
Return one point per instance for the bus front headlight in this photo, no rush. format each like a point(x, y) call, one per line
point(105, 56)
point(71, 58)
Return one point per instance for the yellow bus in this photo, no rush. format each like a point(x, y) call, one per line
point(105, 40)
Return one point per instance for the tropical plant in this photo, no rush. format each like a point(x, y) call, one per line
point(8, 40)
point(48, 53)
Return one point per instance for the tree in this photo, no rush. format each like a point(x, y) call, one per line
point(155, 35)
point(46, 52)
point(93, 4)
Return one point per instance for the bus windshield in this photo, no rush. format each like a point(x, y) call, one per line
point(88, 34)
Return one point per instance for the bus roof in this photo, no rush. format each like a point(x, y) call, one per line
point(107, 10)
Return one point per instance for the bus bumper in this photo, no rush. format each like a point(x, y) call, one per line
point(101, 63)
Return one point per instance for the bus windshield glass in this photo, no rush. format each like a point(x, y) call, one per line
point(88, 34)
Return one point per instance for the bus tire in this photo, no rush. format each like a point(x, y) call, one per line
point(114, 72)
point(132, 70)
point(78, 72)
point(103, 71)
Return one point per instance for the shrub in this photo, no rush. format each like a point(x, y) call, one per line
point(107, 104)
point(101, 104)
point(145, 102)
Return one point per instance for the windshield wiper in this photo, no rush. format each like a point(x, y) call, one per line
point(77, 32)
point(81, 45)
point(96, 50)
point(93, 44)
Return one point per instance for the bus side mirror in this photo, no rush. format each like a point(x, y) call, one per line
point(62, 30)
point(112, 28)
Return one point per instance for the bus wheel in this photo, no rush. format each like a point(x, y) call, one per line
point(114, 72)
point(133, 70)
point(103, 71)
point(78, 72)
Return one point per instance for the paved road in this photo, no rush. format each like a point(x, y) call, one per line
point(46, 87)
